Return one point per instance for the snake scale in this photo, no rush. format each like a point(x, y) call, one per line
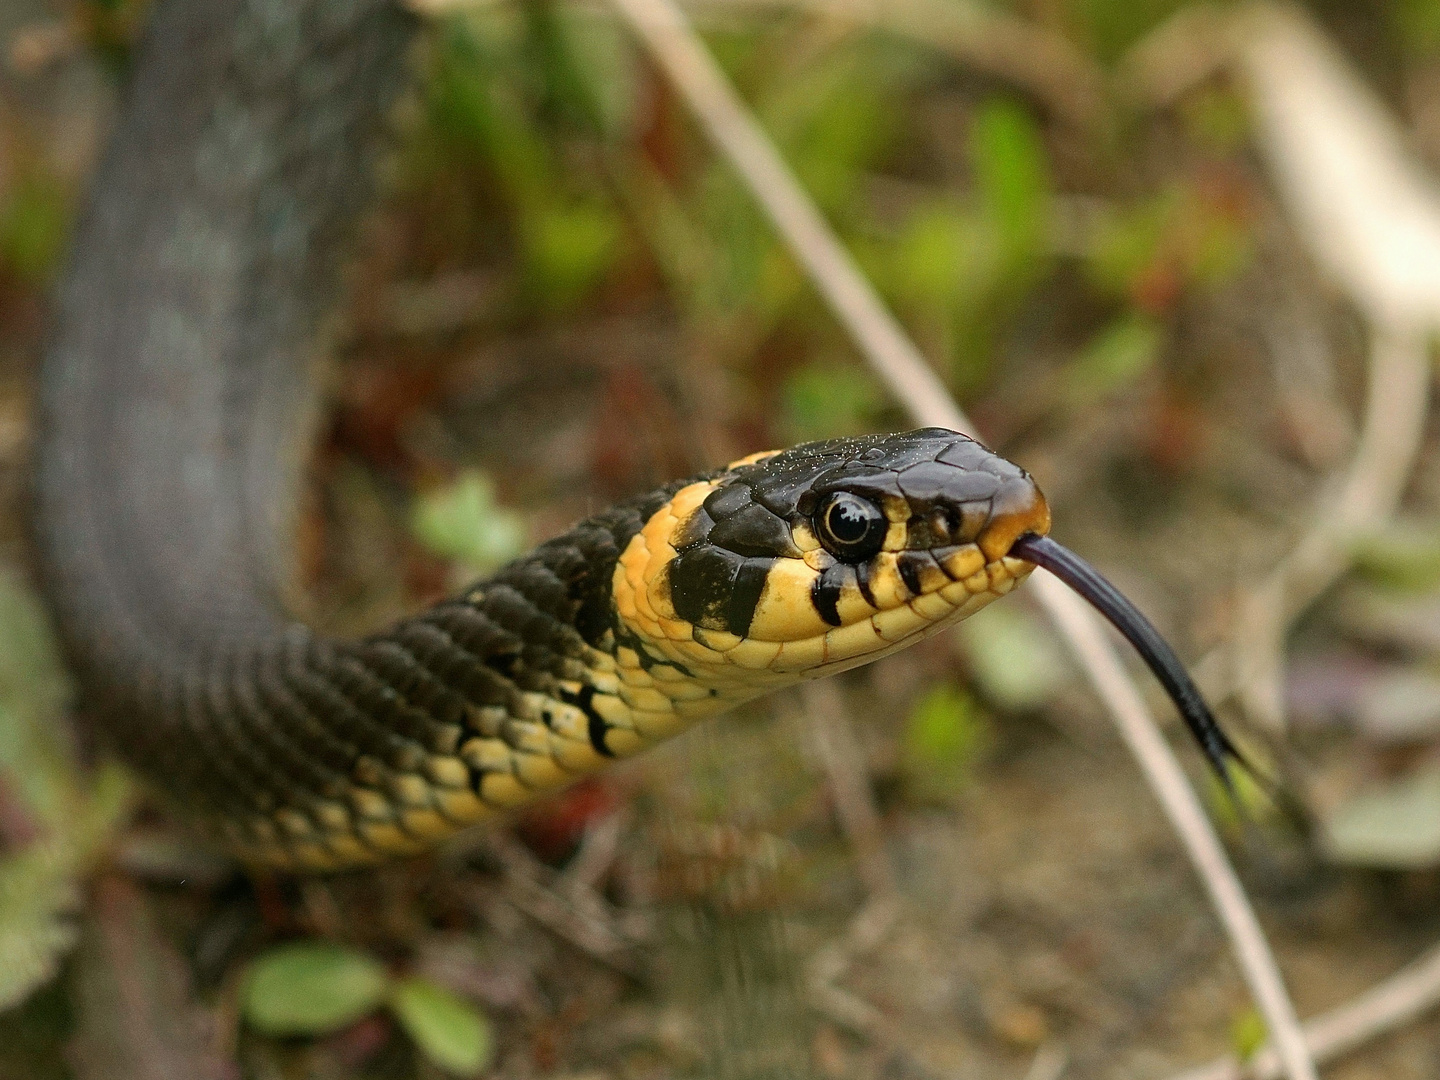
point(178, 392)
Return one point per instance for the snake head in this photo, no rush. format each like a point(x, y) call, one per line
point(806, 561)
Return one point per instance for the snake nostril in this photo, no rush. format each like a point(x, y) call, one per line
point(941, 527)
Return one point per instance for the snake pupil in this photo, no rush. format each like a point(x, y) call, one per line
point(851, 527)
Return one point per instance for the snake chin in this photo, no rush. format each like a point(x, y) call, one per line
point(803, 562)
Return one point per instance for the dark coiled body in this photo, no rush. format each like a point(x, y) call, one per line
point(177, 394)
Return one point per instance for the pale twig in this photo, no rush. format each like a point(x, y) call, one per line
point(1182, 807)
point(1403, 997)
point(1185, 50)
point(691, 68)
point(1372, 218)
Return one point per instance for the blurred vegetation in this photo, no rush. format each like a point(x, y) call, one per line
point(567, 296)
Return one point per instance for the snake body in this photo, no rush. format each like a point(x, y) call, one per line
point(177, 393)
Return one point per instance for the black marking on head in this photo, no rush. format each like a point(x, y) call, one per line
point(754, 530)
point(825, 593)
point(862, 579)
point(909, 563)
point(727, 500)
point(749, 584)
point(694, 531)
point(702, 581)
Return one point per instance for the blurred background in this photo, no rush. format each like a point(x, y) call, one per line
point(565, 296)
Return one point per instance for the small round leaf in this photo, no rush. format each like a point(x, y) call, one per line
point(311, 988)
point(449, 1030)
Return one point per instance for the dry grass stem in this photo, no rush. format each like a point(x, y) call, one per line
point(692, 69)
point(1403, 997)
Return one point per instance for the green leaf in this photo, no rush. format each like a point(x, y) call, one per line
point(568, 248)
point(1405, 556)
point(1012, 176)
point(827, 401)
point(1110, 27)
point(1177, 237)
point(311, 988)
point(464, 522)
point(1218, 119)
point(33, 227)
point(1418, 23)
point(1116, 357)
point(1248, 1034)
point(1397, 827)
point(944, 737)
point(1245, 802)
point(1014, 658)
point(39, 897)
point(476, 110)
point(35, 755)
point(449, 1030)
point(944, 253)
point(73, 812)
point(604, 60)
point(39, 885)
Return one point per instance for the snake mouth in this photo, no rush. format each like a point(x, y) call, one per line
point(1141, 633)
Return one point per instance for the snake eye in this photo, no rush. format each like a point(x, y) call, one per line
point(850, 527)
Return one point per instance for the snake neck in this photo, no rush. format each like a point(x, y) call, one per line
point(178, 389)
point(322, 754)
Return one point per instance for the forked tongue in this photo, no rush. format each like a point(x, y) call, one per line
point(1153, 649)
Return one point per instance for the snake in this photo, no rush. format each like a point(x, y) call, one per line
point(179, 390)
